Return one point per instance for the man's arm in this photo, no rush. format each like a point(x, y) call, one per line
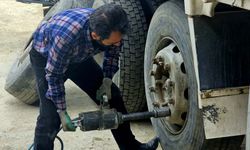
point(110, 67)
point(57, 64)
point(111, 61)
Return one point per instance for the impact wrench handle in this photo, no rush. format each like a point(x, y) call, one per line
point(110, 119)
point(146, 115)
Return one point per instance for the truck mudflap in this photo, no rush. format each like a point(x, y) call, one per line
point(222, 47)
point(224, 112)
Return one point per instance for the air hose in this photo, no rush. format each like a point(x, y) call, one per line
point(57, 137)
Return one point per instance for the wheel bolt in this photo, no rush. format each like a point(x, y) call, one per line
point(160, 58)
point(156, 104)
point(152, 73)
point(158, 82)
point(167, 67)
point(155, 61)
point(152, 89)
point(164, 88)
point(170, 83)
point(171, 101)
point(165, 104)
point(161, 63)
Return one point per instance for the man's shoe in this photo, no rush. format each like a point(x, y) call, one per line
point(151, 145)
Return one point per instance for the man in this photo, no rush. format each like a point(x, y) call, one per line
point(63, 48)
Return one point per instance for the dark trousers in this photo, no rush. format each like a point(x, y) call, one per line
point(88, 76)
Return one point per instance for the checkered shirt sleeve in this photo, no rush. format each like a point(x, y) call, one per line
point(111, 61)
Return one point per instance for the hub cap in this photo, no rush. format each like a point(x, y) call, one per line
point(169, 85)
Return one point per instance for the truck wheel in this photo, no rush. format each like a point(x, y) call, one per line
point(20, 81)
point(130, 76)
point(170, 81)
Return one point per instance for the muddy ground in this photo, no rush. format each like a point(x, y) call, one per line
point(17, 120)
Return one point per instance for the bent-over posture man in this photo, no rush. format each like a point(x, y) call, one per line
point(63, 48)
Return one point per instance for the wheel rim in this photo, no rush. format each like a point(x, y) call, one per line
point(169, 84)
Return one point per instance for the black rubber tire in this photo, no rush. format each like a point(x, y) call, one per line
point(130, 76)
point(157, 3)
point(131, 61)
point(20, 81)
point(170, 21)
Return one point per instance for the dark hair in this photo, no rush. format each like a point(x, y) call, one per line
point(108, 18)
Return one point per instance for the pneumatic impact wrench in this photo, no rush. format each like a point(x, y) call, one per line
point(106, 118)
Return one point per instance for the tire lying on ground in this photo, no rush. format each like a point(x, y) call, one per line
point(20, 81)
point(129, 78)
point(170, 80)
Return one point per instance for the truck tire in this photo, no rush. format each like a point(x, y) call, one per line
point(130, 77)
point(170, 81)
point(157, 3)
point(20, 81)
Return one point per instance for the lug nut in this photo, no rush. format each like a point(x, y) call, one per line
point(167, 67)
point(169, 83)
point(152, 73)
point(158, 82)
point(171, 101)
point(152, 89)
point(155, 61)
point(156, 104)
point(161, 63)
point(164, 88)
point(160, 58)
point(165, 104)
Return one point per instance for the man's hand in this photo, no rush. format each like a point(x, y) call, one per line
point(66, 121)
point(105, 88)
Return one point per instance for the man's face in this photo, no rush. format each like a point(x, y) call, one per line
point(114, 39)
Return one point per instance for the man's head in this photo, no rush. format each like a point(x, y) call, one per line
point(108, 24)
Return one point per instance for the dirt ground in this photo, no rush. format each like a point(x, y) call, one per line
point(17, 120)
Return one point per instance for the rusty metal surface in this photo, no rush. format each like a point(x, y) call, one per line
point(224, 92)
point(224, 116)
point(211, 112)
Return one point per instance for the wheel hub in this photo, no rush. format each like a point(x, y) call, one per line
point(169, 85)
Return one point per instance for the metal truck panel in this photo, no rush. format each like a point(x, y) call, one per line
point(206, 7)
point(245, 4)
point(225, 116)
point(222, 47)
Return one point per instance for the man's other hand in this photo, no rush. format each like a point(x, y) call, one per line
point(105, 88)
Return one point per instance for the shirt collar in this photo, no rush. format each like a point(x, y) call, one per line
point(89, 39)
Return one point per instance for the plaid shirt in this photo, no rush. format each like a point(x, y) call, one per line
point(65, 39)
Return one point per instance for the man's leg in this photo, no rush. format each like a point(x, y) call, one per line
point(88, 76)
point(48, 121)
